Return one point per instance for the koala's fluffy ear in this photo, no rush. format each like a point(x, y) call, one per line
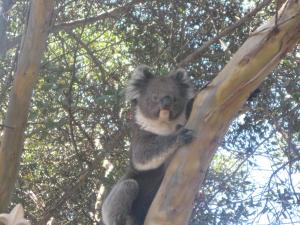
point(139, 80)
point(182, 78)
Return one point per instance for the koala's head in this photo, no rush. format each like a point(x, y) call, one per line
point(160, 101)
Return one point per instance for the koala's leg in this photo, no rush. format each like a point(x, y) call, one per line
point(117, 205)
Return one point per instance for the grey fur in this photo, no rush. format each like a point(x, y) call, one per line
point(152, 151)
point(155, 139)
point(117, 205)
point(139, 73)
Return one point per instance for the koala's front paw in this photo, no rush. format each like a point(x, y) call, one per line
point(185, 136)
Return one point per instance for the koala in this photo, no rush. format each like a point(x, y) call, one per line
point(160, 112)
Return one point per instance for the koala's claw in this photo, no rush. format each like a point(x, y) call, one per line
point(185, 136)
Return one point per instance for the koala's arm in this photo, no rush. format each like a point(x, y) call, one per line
point(149, 151)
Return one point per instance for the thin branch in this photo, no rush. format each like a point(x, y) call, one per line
point(200, 51)
point(57, 203)
point(268, 186)
point(3, 125)
point(89, 52)
point(67, 26)
point(113, 13)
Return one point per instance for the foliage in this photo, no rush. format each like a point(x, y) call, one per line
point(79, 124)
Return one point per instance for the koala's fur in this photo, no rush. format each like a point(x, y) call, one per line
point(160, 113)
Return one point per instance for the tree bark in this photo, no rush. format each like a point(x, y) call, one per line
point(215, 107)
point(32, 47)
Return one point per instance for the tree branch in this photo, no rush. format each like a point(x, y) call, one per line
point(200, 51)
point(68, 26)
point(97, 62)
point(215, 107)
point(58, 202)
point(116, 12)
point(32, 47)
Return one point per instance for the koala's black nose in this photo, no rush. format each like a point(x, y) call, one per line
point(166, 102)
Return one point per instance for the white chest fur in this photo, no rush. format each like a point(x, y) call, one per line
point(157, 126)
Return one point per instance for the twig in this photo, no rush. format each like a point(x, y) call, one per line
point(116, 12)
point(5, 126)
point(200, 51)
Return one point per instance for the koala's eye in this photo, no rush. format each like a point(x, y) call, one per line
point(154, 98)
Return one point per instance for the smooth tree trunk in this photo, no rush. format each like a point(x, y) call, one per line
point(214, 109)
point(32, 47)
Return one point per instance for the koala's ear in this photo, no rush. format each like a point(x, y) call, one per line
point(181, 77)
point(139, 80)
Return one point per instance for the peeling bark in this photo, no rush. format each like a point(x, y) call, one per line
point(215, 107)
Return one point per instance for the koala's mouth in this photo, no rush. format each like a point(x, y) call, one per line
point(164, 115)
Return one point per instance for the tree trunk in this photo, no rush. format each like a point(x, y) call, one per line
point(215, 107)
point(32, 47)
